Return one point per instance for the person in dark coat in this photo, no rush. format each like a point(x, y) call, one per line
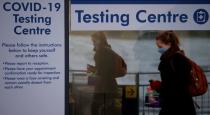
point(175, 98)
point(106, 85)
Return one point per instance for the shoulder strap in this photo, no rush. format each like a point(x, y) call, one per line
point(172, 63)
point(181, 53)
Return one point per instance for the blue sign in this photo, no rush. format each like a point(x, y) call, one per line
point(140, 1)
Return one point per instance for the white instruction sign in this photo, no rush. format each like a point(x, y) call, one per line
point(32, 67)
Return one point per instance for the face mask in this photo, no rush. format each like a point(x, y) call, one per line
point(162, 50)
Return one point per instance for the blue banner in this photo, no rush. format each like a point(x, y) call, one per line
point(140, 1)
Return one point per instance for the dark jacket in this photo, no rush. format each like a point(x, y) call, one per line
point(105, 64)
point(175, 98)
point(106, 85)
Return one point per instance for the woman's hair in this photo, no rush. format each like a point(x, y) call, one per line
point(169, 37)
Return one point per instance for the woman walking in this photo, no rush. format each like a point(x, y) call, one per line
point(175, 98)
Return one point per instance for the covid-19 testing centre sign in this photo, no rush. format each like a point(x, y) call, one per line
point(33, 65)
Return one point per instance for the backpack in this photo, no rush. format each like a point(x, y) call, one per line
point(120, 68)
point(198, 82)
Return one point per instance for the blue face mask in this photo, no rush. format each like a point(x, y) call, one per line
point(162, 50)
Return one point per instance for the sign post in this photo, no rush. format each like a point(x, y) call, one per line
point(130, 100)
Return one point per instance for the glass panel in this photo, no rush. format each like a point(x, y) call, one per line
point(140, 53)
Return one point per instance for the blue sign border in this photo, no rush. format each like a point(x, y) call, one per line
point(140, 1)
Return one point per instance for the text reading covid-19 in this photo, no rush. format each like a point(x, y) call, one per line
point(28, 17)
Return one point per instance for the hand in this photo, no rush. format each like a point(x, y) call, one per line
point(91, 68)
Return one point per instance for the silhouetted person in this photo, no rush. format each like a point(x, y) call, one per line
point(106, 85)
